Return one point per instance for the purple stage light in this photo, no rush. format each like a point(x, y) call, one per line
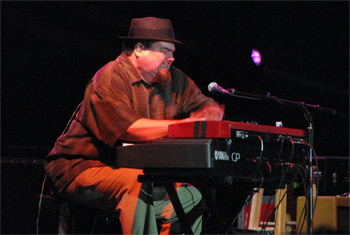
point(256, 57)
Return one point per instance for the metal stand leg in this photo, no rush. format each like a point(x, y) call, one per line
point(178, 208)
point(169, 185)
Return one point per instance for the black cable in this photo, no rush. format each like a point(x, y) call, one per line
point(305, 208)
point(284, 173)
point(302, 214)
point(292, 150)
point(279, 158)
point(246, 203)
point(317, 169)
point(307, 193)
point(317, 181)
point(280, 154)
point(246, 214)
point(282, 179)
point(40, 204)
point(307, 202)
point(267, 209)
point(276, 207)
point(258, 169)
point(280, 183)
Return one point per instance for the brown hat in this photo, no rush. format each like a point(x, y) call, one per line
point(151, 28)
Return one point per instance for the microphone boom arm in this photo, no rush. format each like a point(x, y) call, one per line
point(268, 97)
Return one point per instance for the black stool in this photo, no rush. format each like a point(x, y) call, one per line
point(75, 218)
point(78, 219)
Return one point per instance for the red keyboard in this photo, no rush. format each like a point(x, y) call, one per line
point(223, 129)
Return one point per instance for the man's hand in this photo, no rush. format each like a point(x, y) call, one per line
point(149, 129)
point(210, 112)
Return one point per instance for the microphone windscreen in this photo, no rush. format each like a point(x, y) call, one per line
point(211, 86)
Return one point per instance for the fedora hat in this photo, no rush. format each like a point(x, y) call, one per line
point(151, 28)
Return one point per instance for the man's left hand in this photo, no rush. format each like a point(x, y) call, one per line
point(210, 112)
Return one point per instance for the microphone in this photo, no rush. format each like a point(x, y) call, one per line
point(214, 87)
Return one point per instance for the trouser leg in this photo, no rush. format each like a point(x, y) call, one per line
point(112, 189)
point(190, 199)
point(144, 221)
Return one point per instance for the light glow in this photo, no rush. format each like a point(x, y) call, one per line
point(256, 57)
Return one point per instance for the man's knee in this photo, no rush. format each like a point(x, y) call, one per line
point(195, 193)
point(189, 196)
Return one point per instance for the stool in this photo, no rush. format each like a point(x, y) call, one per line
point(281, 219)
point(78, 219)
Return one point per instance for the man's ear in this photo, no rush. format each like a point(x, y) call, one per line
point(138, 49)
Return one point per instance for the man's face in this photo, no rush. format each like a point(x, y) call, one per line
point(159, 56)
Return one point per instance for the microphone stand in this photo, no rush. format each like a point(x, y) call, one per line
point(310, 128)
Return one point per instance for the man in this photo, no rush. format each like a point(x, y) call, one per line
point(133, 98)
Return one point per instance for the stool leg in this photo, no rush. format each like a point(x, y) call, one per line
point(280, 213)
point(256, 210)
point(64, 224)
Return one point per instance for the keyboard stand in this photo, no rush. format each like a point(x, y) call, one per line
point(205, 179)
point(168, 183)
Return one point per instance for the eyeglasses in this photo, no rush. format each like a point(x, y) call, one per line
point(166, 51)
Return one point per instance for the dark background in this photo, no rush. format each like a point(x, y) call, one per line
point(49, 51)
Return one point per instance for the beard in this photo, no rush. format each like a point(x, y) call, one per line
point(163, 78)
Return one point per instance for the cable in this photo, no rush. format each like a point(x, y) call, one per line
point(317, 181)
point(292, 152)
point(246, 214)
point(306, 190)
point(280, 152)
point(283, 175)
point(258, 169)
point(40, 203)
point(278, 204)
point(246, 202)
point(267, 209)
point(303, 214)
point(281, 181)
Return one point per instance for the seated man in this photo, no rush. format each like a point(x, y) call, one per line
point(133, 98)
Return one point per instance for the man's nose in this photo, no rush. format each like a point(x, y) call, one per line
point(170, 58)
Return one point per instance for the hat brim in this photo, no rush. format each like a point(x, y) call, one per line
point(152, 38)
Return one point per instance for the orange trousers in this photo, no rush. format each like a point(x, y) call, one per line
point(138, 204)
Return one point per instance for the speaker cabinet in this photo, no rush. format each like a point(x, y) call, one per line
point(331, 215)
